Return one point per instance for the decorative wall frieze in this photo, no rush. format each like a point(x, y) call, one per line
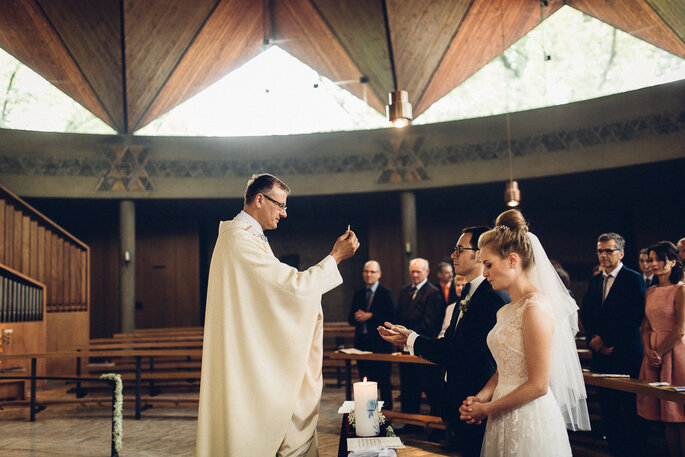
point(632, 128)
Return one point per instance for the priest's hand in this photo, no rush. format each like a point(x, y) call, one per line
point(396, 334)
point(345, 246)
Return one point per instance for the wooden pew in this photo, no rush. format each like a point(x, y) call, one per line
point(138, 376)
point(335, 335)
point(583, 443)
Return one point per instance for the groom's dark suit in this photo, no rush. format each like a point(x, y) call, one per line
point(464, 354)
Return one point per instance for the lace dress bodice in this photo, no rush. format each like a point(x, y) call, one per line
point(505, 341)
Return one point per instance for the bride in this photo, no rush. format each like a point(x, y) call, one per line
point(538, 390)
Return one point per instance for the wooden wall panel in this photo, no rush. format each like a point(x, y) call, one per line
point(9, 234)
point(25, 244)
point(167, 275)
point(64, 334)
point(16, 247)
point(104, 314)
point(385, 246)
point(39, 249)
point(3, 229)
point(187, 262)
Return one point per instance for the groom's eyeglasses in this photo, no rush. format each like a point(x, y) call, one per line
point(459, 249)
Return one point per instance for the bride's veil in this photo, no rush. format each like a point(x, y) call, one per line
point(566, 375)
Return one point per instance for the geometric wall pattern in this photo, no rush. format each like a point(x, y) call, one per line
point(127, 169)
point(134, 169)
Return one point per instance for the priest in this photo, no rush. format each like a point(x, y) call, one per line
point(263, 341)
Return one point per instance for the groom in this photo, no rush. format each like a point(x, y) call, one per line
point(463, 352)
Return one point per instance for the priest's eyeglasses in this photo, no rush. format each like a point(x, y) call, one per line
point(277, 203)
point(459, 249)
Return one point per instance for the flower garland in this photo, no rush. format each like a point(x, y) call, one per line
point(117, 414)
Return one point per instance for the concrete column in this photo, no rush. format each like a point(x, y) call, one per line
point(409, 243)
point(127, 265)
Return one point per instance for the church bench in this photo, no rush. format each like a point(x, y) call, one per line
point(335, 335)
point(138, 376)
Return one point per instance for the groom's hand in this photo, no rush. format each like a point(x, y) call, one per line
point(396, 334)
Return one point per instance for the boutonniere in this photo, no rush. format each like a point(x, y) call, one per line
point(464, 305)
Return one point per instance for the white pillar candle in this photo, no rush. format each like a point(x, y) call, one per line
point(365, 408)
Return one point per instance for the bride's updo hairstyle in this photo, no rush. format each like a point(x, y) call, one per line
point(509, 235)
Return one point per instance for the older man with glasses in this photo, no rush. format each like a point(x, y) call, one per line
point(263, 339)
point(612, 313)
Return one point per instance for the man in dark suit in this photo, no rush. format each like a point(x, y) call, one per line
point(646, 269)
point(463, 352)
point(612, 313)
point(420, 306)
point(371, 306)
point(445, 283)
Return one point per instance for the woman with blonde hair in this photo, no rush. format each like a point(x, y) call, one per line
point(538, 389)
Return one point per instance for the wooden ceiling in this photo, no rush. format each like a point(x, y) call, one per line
point(130, 61)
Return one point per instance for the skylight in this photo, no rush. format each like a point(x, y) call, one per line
point(29, 102)
point(272, 94)
point(569, 57)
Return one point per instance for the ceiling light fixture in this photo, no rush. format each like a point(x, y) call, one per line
point(399, 110)
point(512, 194)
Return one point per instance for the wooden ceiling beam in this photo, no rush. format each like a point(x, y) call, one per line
point(487, 30)
point(26, 33)
point(672, 12)
point(157, 34)
point(359, 27)
point(232, 35)
point(639, 19)
point(417, 53)
point(91, 33)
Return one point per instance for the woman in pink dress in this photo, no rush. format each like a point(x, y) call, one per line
point(663, 337)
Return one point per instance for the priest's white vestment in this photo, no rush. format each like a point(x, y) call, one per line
point(263, 346)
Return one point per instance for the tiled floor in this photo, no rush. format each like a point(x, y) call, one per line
point(77, 431)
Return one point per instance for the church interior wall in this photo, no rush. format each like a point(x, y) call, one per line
point(644, 203)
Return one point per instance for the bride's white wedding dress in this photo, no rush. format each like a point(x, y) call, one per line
point(536, 429)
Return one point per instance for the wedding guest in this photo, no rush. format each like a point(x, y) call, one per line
point(420, 305)
point(646, 269)
point(612, 312)
point(681, 250)
point(459, 283)
point(663, 337)
point(538, 389)
point(371, 306)
point(445, 283)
